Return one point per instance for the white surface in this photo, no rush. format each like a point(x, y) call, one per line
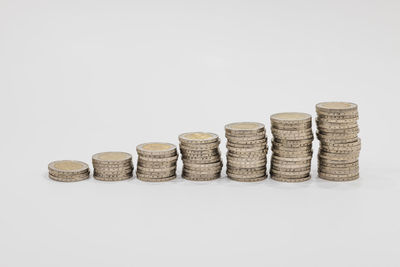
point(80, 77)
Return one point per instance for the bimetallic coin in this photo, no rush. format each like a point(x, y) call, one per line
point(200, 177)
point(68, 166)
point(290, 180)
point(156, 148)
point(111, 157)
point(244, 127)
point(290, 118)
point(198, 138)
point(146, 179)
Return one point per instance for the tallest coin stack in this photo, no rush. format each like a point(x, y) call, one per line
point(339, 143)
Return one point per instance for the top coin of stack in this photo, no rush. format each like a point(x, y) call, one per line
point(247, 151)
point(68, 171)
point(291, 146)
point(156, 162)
point(200, 155)
point(112, 166)
point(339, 143)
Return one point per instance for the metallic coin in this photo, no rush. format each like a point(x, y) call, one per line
point(239, 178)
point(304, 132)
point(111, 157)
point(336, 107)
point(156, 148)
point(292, 143)
point(337, 177)
point(147, 169)
point(291, 170)
point(199, 177)
point(290, 154)
point(207, 172)
point(127, 164)
point(69, 175)
point(68, 166)
point(290, 118)
point(297, 174)
point(155, 175)
point(145, 179)
point(198, 138)
point(204, 161)
point(338, 171)
point(113, 178)
point(290, 180)
point(69, 179)
point(300, 159)
point(151, 164)
point(209, 146)
point(249, 146)
point(290, 176)
point(336, 120)
point(246, 135)
point(244, 127)
point(153, 159)
point(248, 142)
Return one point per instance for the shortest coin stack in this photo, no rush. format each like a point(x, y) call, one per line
point(156, 162)
point(68, 171)
point(112, 166)
point(291, 146)
point(339, 142)
point(201, 156)
point(247, 151)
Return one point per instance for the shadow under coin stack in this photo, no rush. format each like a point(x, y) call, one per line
point(201, 156)
point(247, 151)
point(68, 171)
point(156, 162)
point(291, 146)
point(112, 166)
point(339, 143)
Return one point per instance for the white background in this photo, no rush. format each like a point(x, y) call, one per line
point(81, 77)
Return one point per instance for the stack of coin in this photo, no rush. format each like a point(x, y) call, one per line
point(247, 151)
point(339, 143)
point(68, 171)
point(291, 146)
point(156, 162)
point(201, 156)
point(112, 166)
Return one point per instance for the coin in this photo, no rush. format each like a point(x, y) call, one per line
point(198, 138)
point(146, 179)
point(156, 148)
point(200, 177)
point(290, 180)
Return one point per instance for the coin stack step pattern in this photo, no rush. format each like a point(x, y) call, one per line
point(247, 151)
point(156, 162)
point(339, 142)
point(200, 155)
point(291, 146)
point(112, 166)
point(68, 171)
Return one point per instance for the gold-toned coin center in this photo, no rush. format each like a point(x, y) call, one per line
point(113, 156)
point(157, 147)
point(198, 136)
point(68, 165)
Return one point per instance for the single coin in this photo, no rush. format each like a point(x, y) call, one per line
point(146, 179)
point(290, 180)
point(290, 118)
point(112, 178)
point(336, 107)
point(199, 177)
point(69, 179)
point(153, 159)
point(246, 135)
point(241, 179)
point(147, 169)
point(155, 175)
point(156, 148)
point(198, 138)
point(244, 127)
point(111, 157)
point(331, 177)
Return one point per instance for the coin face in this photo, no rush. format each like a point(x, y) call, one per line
point(157, 146)
point(290, 117)
point(68, 166)
point(336, 106)
point(112, 156)
point(252, 126)
point(198, 136)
